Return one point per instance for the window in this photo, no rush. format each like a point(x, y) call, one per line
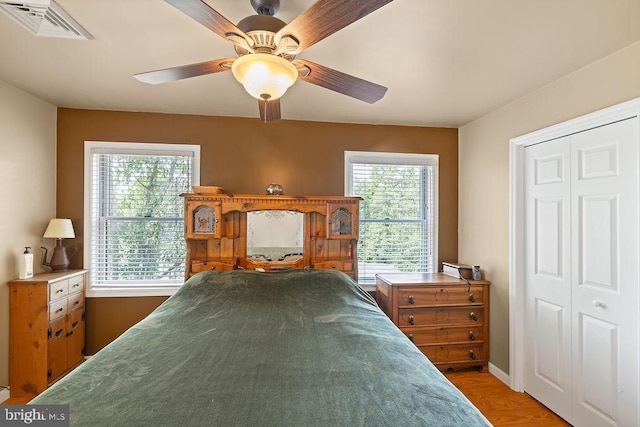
point(398, 213)
point(134, 225)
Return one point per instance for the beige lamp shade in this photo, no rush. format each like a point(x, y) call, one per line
point(59, 228)
point(263, 75)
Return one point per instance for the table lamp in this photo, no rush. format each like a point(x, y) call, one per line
point(59, 228)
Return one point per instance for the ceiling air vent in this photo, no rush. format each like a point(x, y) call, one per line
point(44, 18)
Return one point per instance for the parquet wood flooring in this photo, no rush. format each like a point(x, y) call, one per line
point(501, 405)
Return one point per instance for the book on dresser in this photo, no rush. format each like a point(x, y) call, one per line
point(446, 317)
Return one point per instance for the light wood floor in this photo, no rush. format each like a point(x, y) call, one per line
point(501, 405)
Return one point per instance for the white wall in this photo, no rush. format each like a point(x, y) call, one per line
point(483, 224)
point(27, 190)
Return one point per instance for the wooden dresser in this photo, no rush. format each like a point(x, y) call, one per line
point(46, 332)
point(445, 317)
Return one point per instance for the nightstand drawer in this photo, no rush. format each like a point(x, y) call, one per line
point(441, 295)
point(458, 334)
point(58, 289)
point(441, 316)
point(453, 353)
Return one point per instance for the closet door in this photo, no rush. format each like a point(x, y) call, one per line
point(547, 373)
point(581, 291)
point(604, 193)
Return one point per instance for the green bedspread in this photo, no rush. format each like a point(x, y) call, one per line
point(243, 348)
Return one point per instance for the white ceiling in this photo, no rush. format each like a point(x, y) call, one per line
point(445, 62)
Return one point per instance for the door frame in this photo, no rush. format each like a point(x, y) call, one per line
point(517, 145)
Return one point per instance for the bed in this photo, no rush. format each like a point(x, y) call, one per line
point(293, 348)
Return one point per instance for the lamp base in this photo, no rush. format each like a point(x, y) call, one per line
point(59, 259)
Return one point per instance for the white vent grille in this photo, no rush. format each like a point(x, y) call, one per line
point(44, 18)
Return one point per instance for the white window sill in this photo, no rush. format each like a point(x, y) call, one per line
point(369, 287)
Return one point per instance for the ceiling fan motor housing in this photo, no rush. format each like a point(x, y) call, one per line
point(261, 29)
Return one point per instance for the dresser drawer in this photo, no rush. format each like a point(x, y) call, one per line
point(76, 301)
point(441, 295)
point(441, 316)
point(453, 352)
point(420, 336)
point(76, 284)
point(58, 289)
point(57, 309)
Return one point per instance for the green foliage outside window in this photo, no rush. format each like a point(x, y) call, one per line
point(392, 218)
point(140, 217)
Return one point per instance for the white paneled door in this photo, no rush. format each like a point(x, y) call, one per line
point(547, 373)
point(581, 275)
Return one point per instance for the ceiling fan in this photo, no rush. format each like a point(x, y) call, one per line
point(267, 47)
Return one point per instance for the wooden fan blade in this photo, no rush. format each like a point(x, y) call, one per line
point(340, 82)
point(209, 17)
point(185, 71)
point(326, 17)
point(269, 110)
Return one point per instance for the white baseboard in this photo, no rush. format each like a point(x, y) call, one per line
point(4, 395)
point(499, 374)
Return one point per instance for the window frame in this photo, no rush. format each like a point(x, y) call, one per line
point(141, 148)
point(376, 157)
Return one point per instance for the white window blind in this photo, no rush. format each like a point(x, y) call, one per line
point(136, 224)
point(397, 213)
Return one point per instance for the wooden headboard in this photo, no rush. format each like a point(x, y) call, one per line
point(216, 231)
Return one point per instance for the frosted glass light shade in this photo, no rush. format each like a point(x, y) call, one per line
point(59, 228)
point(263, 75)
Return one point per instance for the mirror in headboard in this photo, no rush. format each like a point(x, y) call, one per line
point(275, 235)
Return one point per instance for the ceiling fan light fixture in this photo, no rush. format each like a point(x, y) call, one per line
point(264, 76)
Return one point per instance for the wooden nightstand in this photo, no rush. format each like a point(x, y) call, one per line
point(46, 332)
point(445, 317)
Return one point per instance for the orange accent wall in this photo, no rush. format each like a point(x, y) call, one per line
point(242, 155)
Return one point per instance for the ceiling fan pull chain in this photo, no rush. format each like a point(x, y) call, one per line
point(265, 97)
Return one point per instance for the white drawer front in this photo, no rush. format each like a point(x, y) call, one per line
point(57, 309)
point(76, 284)
point(58, 289)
